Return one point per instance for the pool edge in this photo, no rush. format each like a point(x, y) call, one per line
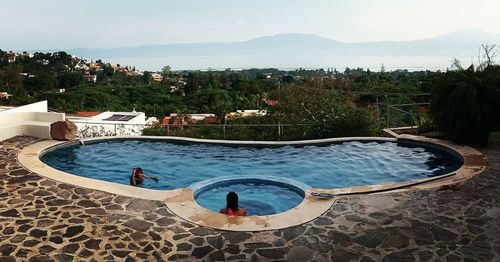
point(182, 203)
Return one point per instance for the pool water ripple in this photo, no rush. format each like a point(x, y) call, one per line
point(347, 164)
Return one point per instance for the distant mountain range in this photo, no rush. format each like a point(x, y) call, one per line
point(463, 43)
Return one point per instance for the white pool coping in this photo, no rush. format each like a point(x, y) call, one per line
point(182, 203)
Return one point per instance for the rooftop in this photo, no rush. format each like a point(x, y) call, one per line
point(119, 117)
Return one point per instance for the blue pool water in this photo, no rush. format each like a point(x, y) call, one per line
point(258, 198)
point(331, 166)
point(346, 164)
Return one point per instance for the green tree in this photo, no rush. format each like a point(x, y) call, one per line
point(68, 80)
point(11, 77)
point(324, 113)
point(465, 104)
point(193, 83)
point(220, 103)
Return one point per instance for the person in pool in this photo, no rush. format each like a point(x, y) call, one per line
point(137, 177)
point(232, 208)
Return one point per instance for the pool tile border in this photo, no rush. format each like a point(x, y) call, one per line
point(182, 203)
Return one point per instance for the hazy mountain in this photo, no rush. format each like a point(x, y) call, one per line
point(460, 43)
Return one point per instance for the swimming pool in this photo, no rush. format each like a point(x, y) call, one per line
point(328, 166)
point(260, 195)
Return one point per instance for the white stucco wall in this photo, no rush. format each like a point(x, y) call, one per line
point(96, 126)
point(30, 120)
point(41, 106)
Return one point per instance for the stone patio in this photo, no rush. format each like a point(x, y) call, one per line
point(45, 220)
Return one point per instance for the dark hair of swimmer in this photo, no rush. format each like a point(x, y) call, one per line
point(232, 201)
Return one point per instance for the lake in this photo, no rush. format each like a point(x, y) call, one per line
point(412, 63)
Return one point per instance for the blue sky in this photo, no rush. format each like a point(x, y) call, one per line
point(52, 24)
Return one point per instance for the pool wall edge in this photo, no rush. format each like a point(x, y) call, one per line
point(182, 203)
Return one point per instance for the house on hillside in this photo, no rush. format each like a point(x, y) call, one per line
point(156, 77)
point(43, 61)
point(4, 95)
point(11, 57)
point(135, 73)
point(95, 66)
point(174, 89)
point(119, 69)
point(27, 55)
point(90, 78)
point(271, 102)
point(246, 113)
point(174, 120)
point(81, 66)
point(59, 90)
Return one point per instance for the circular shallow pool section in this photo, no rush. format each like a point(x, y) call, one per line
point(328, 166)
point(259, 195)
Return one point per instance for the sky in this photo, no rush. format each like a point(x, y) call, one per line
point(65, 24)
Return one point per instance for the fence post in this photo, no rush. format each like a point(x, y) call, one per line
point(224, 131)
point(168, 129)
point(279, 131)
point(387, 118)
point(115, 128)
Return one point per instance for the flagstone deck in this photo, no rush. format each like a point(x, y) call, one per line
point(45, 220)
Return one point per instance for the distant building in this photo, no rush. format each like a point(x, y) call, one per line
point(173, 89)
point(175, 120)
point(28, 55)
point(151, 121)
point(90, 78)
point(95, 66)
point(119, 69)
point(156, 77)
point(206, 118)
point(97, 124)
point(11, 57)
point(322, 78)
point(81, 67)
point(27, 75)
point(246, 113)
point(270, 102)
point(85, 114)
point(135, 73)
point(43, 61)
point(168, 120)
point(5, 95)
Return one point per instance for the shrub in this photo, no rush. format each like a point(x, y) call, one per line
point(155, 130)
point(426, 124)
point(465, 104)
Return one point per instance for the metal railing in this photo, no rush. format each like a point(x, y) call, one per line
point(400, 115)
point(397, 115)
point(235, 131)
point(96, 129)
point(216, 131)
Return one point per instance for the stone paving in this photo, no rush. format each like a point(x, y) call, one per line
point(45, 220)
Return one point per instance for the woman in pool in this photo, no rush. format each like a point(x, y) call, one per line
point(137, 177)
point(232, 208)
